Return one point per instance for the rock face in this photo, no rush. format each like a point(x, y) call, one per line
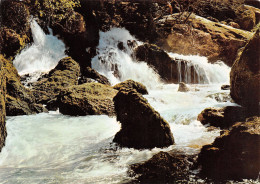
point(245, 75)
point(130, 84)
point(235, 154)
point(222, 117)
point(164, 167)
point(141, 126)
point(88, 74)
point(183, 87)
point(87, 99)
point(3, 133)
point(65, 74)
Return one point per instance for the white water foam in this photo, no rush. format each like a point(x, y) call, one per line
point(42, 55)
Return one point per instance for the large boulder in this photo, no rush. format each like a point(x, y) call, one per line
point(88, 74)
point(141, 126)
point(3, 133)
point(65, 74)
point(164, 167)
point(245, 75)
point(235, 154)
point(19, 100)
point(130, 84)
point(87, 99)
point(222, 117)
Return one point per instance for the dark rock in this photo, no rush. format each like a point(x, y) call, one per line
point(141, 126)
point(254, 3)
point(89, 73)
point(130, 84)
point(183, 87)
point(235, 154)
point(225, 87)
point(120, 46)
point(3, 132)
point(222, 117)
point(87, 99)
point(164, 167)
point(65, 74)
point(244, 76)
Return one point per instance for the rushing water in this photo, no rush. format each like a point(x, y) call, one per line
point(53, 148)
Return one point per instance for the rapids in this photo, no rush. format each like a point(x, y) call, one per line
point(53, 148)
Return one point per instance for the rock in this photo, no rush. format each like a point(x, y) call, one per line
point(19, 100)
point(130, 84)
point(3, 132)
point(235, 154)
point(164, 167)
point(65, 74)
point(221, 97)
point(254, 3)
point(10, 42)
point(247, 18)
point(234, 25)
point(89, 73)
point(141, 126)
point(203, 37)
point(225, 87)
point(222, 117)
point(87, 99)
point(183, 87)
point(244, 75)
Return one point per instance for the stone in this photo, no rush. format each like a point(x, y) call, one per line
point(183, 87)
point(87, 99)
point(225, 87)
point(141, 126)
point(235, 154)
point(89, 73)
point(130, 84)
point(244, 75)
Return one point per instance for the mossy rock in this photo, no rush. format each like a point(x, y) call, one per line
point(130, 84)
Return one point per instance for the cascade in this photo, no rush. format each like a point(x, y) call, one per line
point(42, 55)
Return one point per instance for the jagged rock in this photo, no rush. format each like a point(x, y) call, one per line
point(3, 133)
point(65, 74)
point(225, 87)
point(130, 84)
point(87, 99)
point(19, 100)
point(141, 126)
point(222, 117)
point(183, 87)
point(244, 75)
point(164, 167)
point(88, 73)
point(235, 154)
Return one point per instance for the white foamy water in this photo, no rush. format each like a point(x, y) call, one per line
point(43, 55)
point(53, 148)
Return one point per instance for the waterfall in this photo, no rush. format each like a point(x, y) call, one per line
point(197, 69)
point(119, 65)
point(43, 55)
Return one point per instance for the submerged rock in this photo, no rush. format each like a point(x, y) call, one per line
point(130, 84)
point(235, 154)
point(164, 167)
point(141, 126)
point(183, 87)
point(3, 133)
point(244, 75)
point(89, 73)
point(222, 117)
point(87, 99)
point(65, 74)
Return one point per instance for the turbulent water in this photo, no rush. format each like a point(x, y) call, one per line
point(53, 148)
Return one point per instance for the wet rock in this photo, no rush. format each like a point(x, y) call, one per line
point(225, 87)
point(235, 154)
point(244, 75)
point(234, 25)
point(3, 132)
point(19, 100)
point(183, 87)
point(164, 167)
point(141, 126)
point(247, 18)
point(130, 84)
point(65, 74)
point(87, 99)
point(221, 97)
point(254, 3)
point(89, 73)
point(222, 117)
